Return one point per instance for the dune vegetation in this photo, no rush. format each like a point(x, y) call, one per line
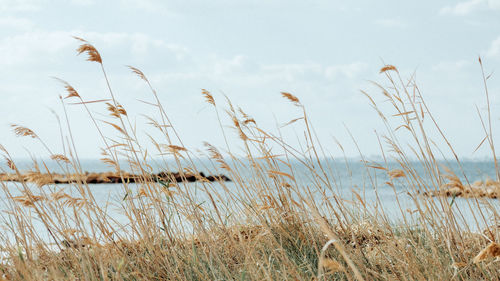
point(266, 225)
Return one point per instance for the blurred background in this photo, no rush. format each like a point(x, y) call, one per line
point(324, 52)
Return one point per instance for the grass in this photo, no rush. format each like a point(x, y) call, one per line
point(268, 224)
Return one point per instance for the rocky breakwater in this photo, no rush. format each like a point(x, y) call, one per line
point(479, 189)
point(108, 177)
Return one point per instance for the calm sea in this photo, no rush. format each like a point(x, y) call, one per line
point(345, 179)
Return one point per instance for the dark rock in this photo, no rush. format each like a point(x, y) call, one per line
point(111, 177)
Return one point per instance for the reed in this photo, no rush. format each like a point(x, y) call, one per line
point(272, 222)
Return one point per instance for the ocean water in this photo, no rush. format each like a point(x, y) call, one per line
point(351, 180)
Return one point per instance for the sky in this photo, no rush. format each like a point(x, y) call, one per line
point(324, 52)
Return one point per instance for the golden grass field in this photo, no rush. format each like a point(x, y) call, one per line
point(278, 228)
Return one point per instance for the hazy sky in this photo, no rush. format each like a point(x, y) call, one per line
point(324, 52)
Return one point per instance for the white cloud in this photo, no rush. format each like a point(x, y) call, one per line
point(83, 2)
point(20, 5)
point(494, 50)
point(35, 47)
point(225, 66)
point(30, 47)
point(294, 69)
point(153, 6)
point(348, 70)
point(10, 22)
point(449, 66)
point(462, 8)
point(467, 7)
point(140, 44)
point(240, 72)
point(494, 4)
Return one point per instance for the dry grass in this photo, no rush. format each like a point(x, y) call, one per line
point(269, 224)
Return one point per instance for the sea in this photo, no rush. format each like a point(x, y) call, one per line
point(362, 187)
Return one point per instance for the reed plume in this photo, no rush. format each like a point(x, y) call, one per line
point(89, 49)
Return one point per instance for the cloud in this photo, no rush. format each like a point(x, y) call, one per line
point(494, 4)
point(462, 8)
point(467, 7)
point(20, 5)
point(151, 6)
point(291, 72)
point(449, 66)
point(225, 66)
point(83, 2)
point(39, 46)
point(240, 68)
point(10, 22)
point(30, 47)
point(347, 70)
point(139, 44)
point(494, 50)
